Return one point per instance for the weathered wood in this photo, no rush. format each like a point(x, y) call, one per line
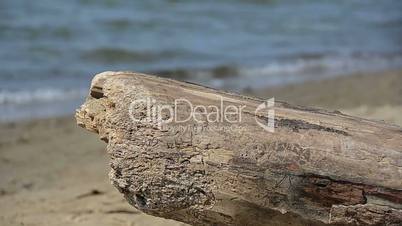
point(317, 167)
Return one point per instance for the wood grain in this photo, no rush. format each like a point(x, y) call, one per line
point(318, 167)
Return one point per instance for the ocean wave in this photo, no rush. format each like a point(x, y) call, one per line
point(285, 71)
point(20, 97)
point(117, 55)
point(328, 65)
point(234, 77)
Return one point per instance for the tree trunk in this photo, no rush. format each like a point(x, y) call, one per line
point(228, 159)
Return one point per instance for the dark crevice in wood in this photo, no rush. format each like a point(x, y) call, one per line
point(330, 192)
point(297, 125)
point(96, 92)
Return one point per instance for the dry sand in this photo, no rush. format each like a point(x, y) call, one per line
point(54, 173)
point(375, 96)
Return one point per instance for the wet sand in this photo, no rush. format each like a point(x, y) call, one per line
point(54, 173)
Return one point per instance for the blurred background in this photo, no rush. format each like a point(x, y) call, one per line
point(344, 54)
point(49, 50)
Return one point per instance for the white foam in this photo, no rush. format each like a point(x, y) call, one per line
point(19, 97)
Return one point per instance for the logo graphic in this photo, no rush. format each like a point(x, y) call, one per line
point(268, 106)
point(147, 110)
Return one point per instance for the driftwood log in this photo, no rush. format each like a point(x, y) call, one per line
point(317, 167)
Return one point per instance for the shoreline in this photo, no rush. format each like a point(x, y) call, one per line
point(371, 89)
point(375, 96)
point(53, 172)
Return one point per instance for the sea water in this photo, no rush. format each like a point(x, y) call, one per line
point(50, 49)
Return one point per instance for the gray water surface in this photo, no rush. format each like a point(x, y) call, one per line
point(49, 49)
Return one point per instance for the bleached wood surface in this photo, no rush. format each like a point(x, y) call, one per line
point(316, 168)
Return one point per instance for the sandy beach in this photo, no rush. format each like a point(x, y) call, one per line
point(55, 173)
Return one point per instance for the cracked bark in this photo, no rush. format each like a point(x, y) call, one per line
point(317, 168)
